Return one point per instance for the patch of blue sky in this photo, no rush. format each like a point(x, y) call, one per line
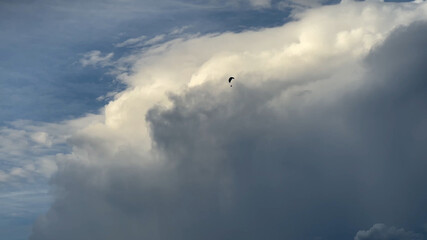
point(42, 79)
point(19, 209)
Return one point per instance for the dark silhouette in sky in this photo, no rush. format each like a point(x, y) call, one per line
point(229, 81)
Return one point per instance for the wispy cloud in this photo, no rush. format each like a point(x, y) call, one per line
point(95, 58)
point(143, 41)
point(131, 41)
point(261, 3)
point(30, 150)
point(382, 232)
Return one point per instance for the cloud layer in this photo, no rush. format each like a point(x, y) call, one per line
point(380, 231)
point(321, 134)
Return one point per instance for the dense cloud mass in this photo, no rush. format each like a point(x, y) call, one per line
point(321, 135)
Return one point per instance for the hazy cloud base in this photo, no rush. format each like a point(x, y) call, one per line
point(321, 135)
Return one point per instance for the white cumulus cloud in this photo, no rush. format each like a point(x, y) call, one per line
point(300, 143)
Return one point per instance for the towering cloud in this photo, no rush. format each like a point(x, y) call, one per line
point(322, 133)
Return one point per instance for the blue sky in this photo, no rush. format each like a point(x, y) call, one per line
point(49, 98)
point(43, 41)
